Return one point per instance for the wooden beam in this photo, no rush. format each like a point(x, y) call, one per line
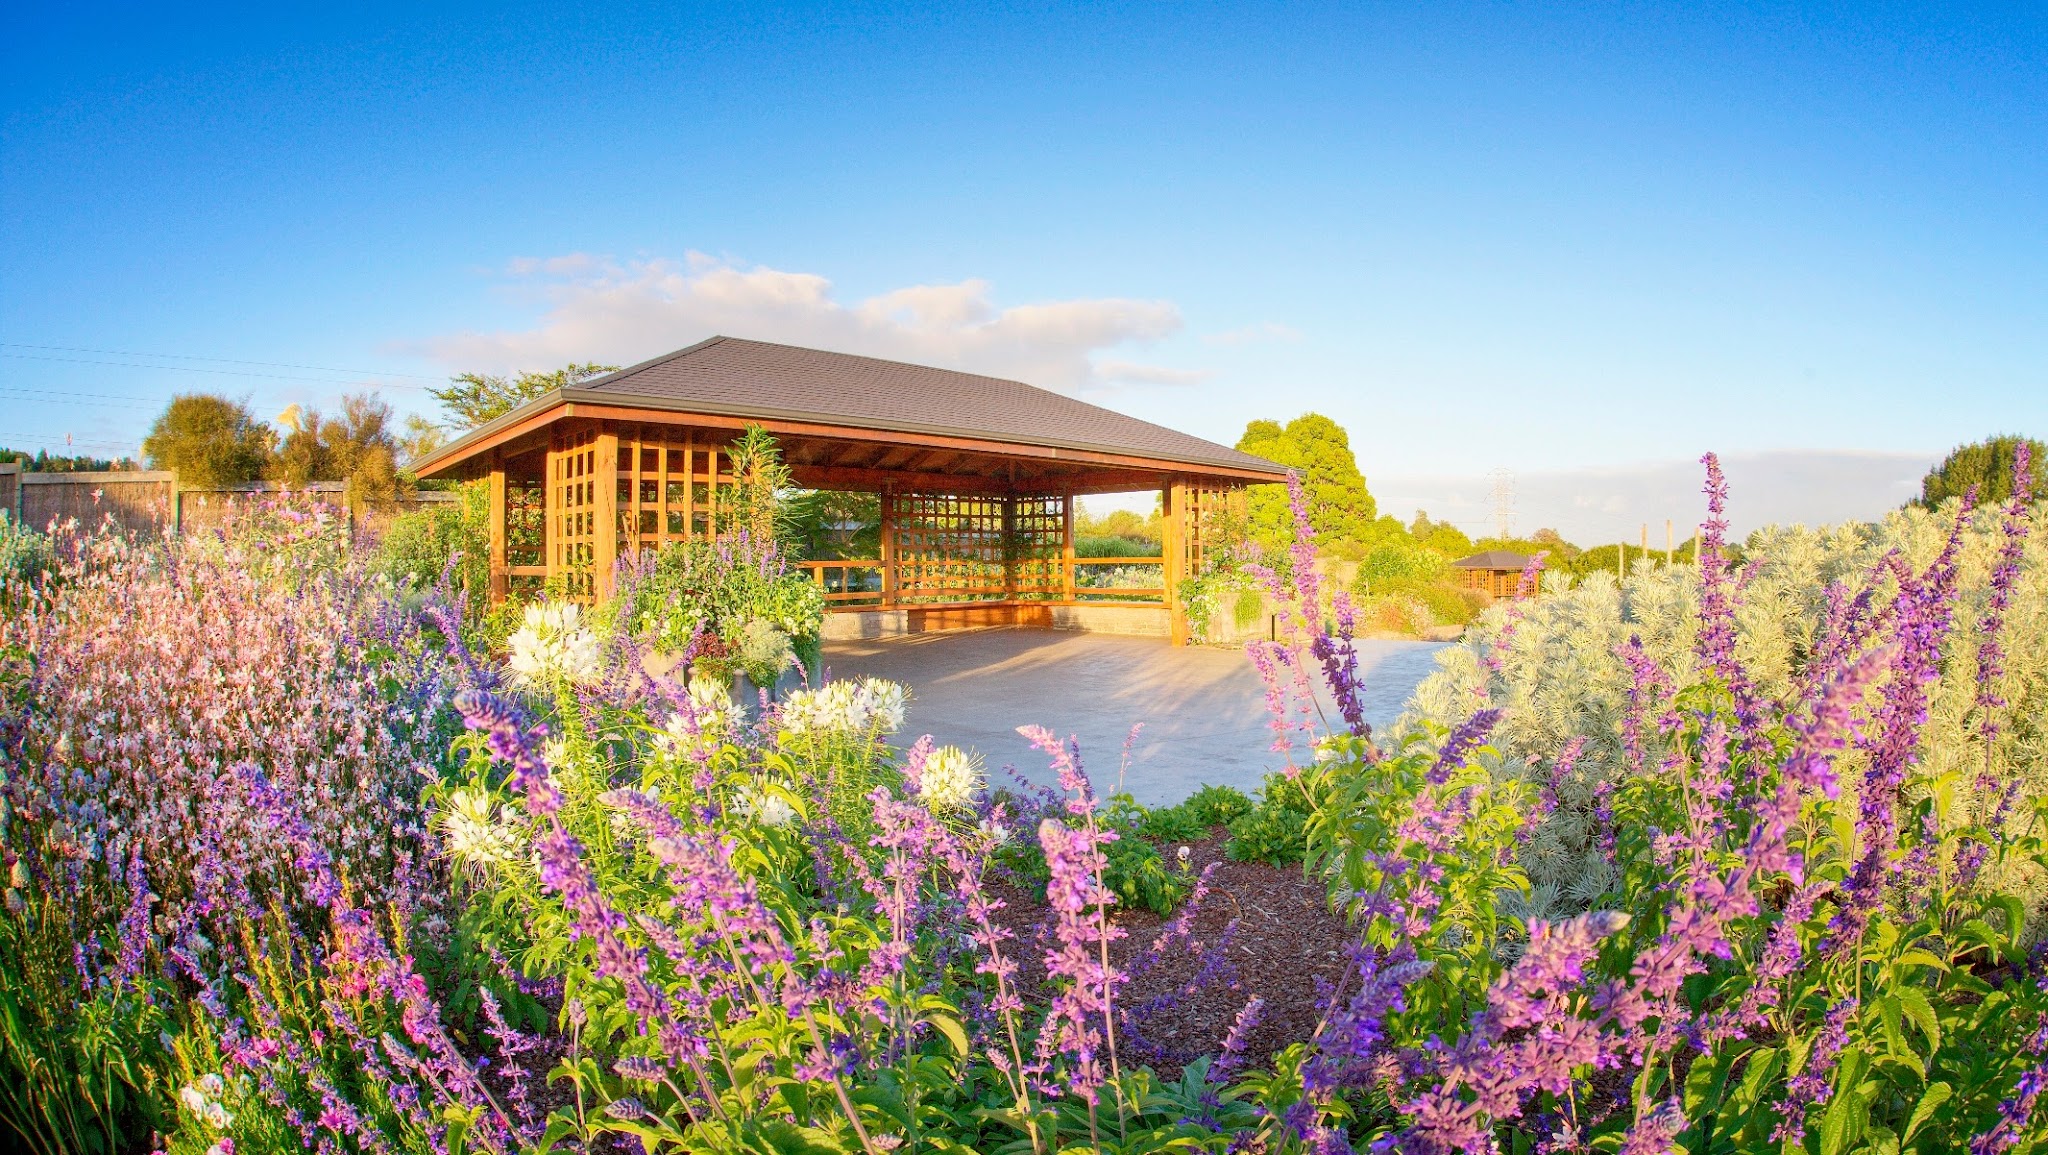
point(877, 480)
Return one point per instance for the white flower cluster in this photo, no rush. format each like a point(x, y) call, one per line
point(716, 716)
point(847, 707)
point(951, 778)
point(765, 806)
point(476, 830)
point(553, 643)
point(202, 1098)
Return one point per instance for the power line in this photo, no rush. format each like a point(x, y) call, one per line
point(201, 369)
point(219, 360)
point(101, 400)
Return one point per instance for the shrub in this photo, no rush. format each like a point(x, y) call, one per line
point(421, 546)
point(1275, 830)
point(1217, 805)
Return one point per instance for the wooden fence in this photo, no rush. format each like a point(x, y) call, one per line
point(145, 500)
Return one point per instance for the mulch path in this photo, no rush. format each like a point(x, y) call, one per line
point(1286, 944)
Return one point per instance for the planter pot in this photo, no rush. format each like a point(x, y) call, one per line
point(1224, 630)
point(660, 664)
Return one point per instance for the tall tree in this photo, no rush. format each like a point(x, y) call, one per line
point(1987, 465)
point(358, 447)
point(1340, 507)
point(473, 399)
point(210, 441)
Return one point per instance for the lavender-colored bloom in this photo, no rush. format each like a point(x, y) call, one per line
point(1813, 1086)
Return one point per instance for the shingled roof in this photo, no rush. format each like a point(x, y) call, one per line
point(1493, 559)
point(733, 377)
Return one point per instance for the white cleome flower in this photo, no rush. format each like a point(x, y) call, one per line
point(552, 642)
point(710, 720)
point(765, 807)
point(475, 829)
point(845, 708)
point(951, 778)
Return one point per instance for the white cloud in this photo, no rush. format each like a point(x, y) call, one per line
point(1590, 506)
point(1263, 331)
point(1131, 373)
point(598, 309)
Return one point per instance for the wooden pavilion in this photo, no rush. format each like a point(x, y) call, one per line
point(976, 478)
point(1497, 571)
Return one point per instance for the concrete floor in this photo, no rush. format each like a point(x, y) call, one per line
point(1203, 709)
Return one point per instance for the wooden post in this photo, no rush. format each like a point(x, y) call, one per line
point(1011, 549)
point(1670, 546)
point(501, 578)
point(1067, 548)
point(1171, 498)
point(887, 550)
point(605, 489)
point(1621, 561)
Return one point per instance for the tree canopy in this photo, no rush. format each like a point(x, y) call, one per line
point(358, 446)
point(473, 399)
point(1340, 507)
point(210, 441)
point(1987, 465)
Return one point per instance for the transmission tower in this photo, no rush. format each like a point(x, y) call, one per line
point(1503, 503)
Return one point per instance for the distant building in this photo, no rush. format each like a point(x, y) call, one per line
point(1497, 571)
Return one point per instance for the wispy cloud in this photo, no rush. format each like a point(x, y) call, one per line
point(597, 308)
point(1813, 487)
point(1131, 373)
point(1263, 331)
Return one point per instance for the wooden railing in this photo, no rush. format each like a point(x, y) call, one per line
point(861, 583)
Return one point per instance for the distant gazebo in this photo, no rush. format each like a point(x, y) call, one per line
point(1497, 571)
point(976, 477)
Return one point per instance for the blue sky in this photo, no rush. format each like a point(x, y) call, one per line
point(1579, 246)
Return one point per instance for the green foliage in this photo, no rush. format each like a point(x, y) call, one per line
point(1403, 563)
point(1985, 466)
point(1275, 830)
point(823, 524)
point(1441, 536)
point(418, 546)
point(1340, 507)
point(25, 557)
point(1125, 524)
point(359, 447)
point(212, 442)
point(43, 461)
point(474, 399)
point(1174, 824)
point(696, 587)
point(1102, 546)
point(75, 1075)
point(1217, 805)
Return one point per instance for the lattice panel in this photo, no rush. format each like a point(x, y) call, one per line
point(572, 512)
point(946, 548)
point(1037, 555)
point(1200, 510)
point(671, 488)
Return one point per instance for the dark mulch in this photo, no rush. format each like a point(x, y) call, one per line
point(1285, 942)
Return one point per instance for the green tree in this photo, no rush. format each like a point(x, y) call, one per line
point(1441, 536)
point(210, 441)
point(358, 447)
point(1987, 465)
point(1340, 507)
point(473, 399)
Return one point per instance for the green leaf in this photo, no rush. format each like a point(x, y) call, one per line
point(1930, 1102)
